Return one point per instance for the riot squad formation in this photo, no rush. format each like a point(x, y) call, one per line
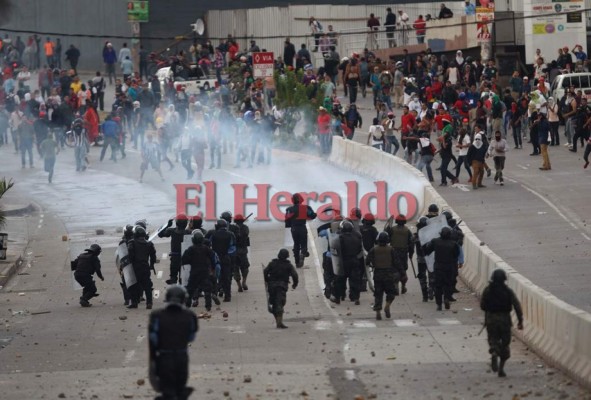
point(358, 257)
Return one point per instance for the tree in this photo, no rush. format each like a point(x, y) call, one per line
point(4, 186)
point(298, 102)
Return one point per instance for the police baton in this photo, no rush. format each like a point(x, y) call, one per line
point(412, 264)
point(248, 216)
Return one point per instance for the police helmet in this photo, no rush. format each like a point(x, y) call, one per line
point(142, 223)
point(196, 221)
point(422, 222)
point(346, 226)
point(221, 223)
point(383, 238)
point(128, 231)
point(297, 198)
point(448, 215)
point(433, 209)
point(227, 215)
point(176, 294)
point(498, 276)
point(469, 60)
point(445, 232)
point(368, 219)
point(197, 237)
point(400, 219)
point(139, 231)
point(95, 248)
point(283, 254)
point(355, 213)
point(181, 221)
point(239, 218)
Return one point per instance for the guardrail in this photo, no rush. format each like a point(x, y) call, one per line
point(558, 332)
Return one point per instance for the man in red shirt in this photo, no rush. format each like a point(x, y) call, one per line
point(324, 130)
point(407, 124)
point(441, 115)
point(420, 26)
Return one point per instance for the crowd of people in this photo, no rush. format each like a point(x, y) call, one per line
point(460, 104)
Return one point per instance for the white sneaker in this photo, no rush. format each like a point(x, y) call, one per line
point(568, 145)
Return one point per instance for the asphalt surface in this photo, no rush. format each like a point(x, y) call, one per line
point(53, 348)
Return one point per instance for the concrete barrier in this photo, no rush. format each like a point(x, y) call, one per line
point(557, 331)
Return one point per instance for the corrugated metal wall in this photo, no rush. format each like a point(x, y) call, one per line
point(269, 26)
point(73, 17)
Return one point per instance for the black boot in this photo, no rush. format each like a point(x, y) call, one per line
point(387, 309)
point(502, 373)
point(279, 321)
point(240, 289)
point(494, 363)
point(149, 299)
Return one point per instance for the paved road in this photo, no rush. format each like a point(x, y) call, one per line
point(537, 222)
point(51, 346)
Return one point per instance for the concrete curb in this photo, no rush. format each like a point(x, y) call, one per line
point(557, 331)
point(20, 211)
point(11, 269)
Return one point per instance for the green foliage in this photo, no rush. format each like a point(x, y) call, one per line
point(298, 101)
point(4, 187)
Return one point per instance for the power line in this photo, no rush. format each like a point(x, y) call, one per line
point(186, 37)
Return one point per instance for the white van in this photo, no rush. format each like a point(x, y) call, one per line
point(580, 81)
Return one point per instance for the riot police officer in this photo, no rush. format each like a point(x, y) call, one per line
point(196, 222)
point(432, 211)
point(202, 261)
point(401, 241)
point(446, 256)
point(425, 277)
point(277, 274)
point(176, 236)
point(295, 218)
point(86, 265)
point(328, 273)
point(355, 218)
point(497, 302)
point(241, 263)
point(369, 237)
point(142, 256)
point(369, 233)
point(223, 243)
point(387, 271)
point(458, 236)
point(351, 254)
point(170, 331)
point(127, 237)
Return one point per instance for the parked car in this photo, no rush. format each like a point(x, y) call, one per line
point(580, 81)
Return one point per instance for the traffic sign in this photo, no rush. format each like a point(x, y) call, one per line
point(263, 64)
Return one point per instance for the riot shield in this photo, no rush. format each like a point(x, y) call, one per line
point(335, 251)
point(185, 269)
point(129, 276)
point(124, 266)
point(269, 305)
point(369, 276)
point(155, 234)
point(430, 232)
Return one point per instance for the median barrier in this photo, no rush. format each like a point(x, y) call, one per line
point(560, 333)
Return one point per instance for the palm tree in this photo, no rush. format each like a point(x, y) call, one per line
point(4, 186)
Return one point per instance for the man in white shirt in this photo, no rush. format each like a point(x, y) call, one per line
point(123, 53)
point(403, 26)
